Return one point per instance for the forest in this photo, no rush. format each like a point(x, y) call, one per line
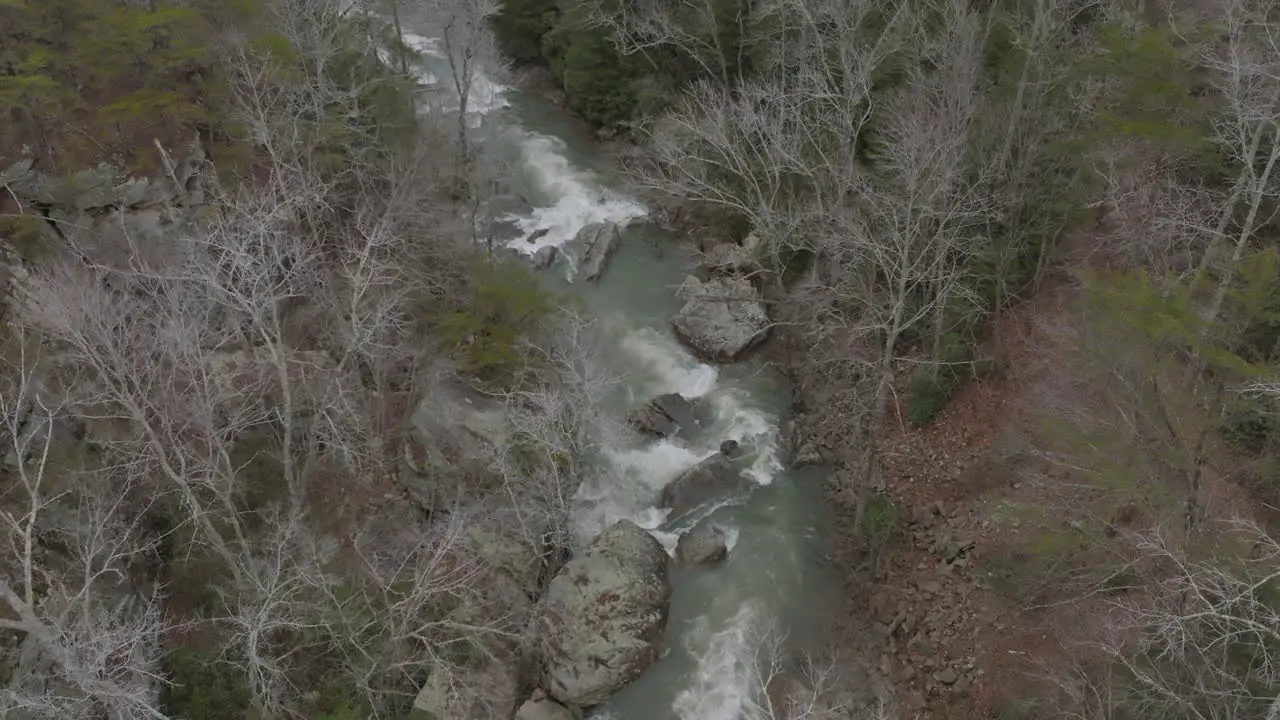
point(1021, 267)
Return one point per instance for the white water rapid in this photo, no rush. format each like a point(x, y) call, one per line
point(718, 615)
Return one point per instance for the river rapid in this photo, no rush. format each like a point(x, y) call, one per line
point(722, 619)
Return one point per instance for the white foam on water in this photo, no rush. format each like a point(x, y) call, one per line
point(730, 537)
point(673, 368)
point(726, 678)
point(753, 429)
point(484, 95)
point(574, 197)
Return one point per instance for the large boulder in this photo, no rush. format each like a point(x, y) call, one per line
point(721, 318)
point(541, 707)
point(456, 434)
point(663, 415)
point(712, 479)
point(595, 243)
point(488, 691)
point(705, 544)
point(544, 257)
point(513, 564)
point(599, 624)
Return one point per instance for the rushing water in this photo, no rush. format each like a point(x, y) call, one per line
point(718, 615)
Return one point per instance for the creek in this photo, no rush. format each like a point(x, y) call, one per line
point(721, 618)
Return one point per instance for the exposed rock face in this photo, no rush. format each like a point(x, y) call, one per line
point(663, 415)
point(545, 257)
point(712, 479)
point(488, 691)
point(599, 623)
point(729, 258)
point(513, 565)
point(110, 202)
point(541, 707)
point(595, 243)
point(456, 432)
point(703, 545)
point(721, 318)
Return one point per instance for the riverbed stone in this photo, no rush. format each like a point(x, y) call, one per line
point(595, 244)
point(710, 480)
point(663, 415)
point(544, 257)
point(721, 318)
point(705, 544)
point(541, 707)
point(599, 624)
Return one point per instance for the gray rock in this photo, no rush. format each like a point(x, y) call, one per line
point(450, 694)
point(710, 480)
point(537, 235)
point(544, 708)
point(512, 564)
point(730, 448)
point(946, 676)
point(806, 456)
point(726, 258)
point(595, 243)
point(545, 257)
point(721, 318)
point(597, 627)
point(663, 415)
point(475, 422)
point(786, 694)
point(703, 545)
point(456, 434)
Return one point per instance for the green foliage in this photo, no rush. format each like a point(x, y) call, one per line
point(336, 699)
point(24, 234)
point(930, 390)
point(597, 81)
point(202, 688)
point(84, 81)
point(1038, 556)
point(519, 26)
point(1152, 93)
point(1004, 55)
point(503, 306)
point(880, 520)
point(256, 458)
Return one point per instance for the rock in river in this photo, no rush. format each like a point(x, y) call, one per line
point(541, 707)
point(663, 415)
point(595, 243)
point(704, 545)
point(598, 626)
point(710, 480)
point(721, 318)
point(545, 257)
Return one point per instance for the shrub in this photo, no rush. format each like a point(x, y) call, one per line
point(484, 333)
point(930, 390)
point(880, 520)
point(600, 85)
point(519, 26)
point(202, 689)
point(23, 233)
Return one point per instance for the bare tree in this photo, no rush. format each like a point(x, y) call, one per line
point(87, 628)
point(1197, 642)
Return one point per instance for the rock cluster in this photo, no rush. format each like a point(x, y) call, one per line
point(925, 618)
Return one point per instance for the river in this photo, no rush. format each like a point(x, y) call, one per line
point(768, 586)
